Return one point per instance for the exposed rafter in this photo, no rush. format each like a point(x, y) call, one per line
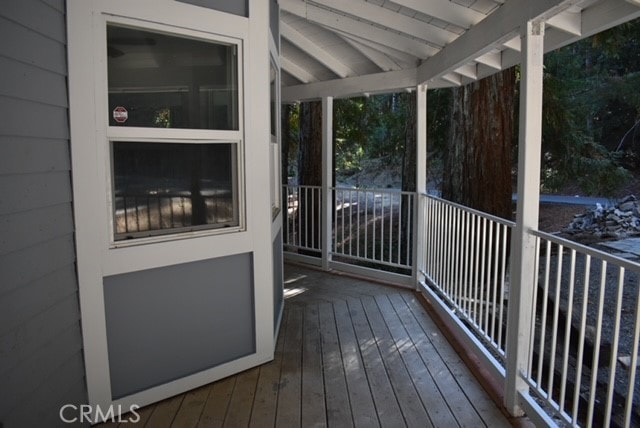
point(491, 59)
point(297, 71)
point(496, 29)
point(358, 28)
point(567, 21)
point(386, 35)
point(468, 70)
point(384, 62)
point(317, 52)
point(390, 19)
point(401, 58)
point(445, 10)
point(391, 81)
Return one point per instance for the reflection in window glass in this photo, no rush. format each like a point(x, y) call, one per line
point(162, 188)
point(161, 80)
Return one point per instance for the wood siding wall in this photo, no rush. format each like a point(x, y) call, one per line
point(41, 365)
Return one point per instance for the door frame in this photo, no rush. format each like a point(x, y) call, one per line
point(97, 257)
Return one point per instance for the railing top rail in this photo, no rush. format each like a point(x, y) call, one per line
point(609, 258)
point(374, 190)
point(304, 186)
point(471, 210)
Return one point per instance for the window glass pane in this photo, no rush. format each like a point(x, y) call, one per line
point(160, 80)
point(162, 188)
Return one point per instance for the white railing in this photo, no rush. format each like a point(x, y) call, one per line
point(374, 226)
point(584, 347)
point(466, 255)
point(302, 222)
point(581, 368)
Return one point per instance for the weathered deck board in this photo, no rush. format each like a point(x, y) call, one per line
point(350, 353)
point(313, 402)
point(266, 400)
point(387, 406)
point(215, 409)
point(335, 384)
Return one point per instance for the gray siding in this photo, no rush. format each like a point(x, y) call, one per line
point(41, 365)
point(274, 19)
point(235, 7)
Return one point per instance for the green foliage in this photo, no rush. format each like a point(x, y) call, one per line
point(591, 101)
point(293, 138)
point(369, 128)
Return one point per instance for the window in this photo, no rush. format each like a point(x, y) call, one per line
point(187, 180)
point(161, 187)
point(160, 80)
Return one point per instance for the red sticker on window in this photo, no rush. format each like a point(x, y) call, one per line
point(120, 114)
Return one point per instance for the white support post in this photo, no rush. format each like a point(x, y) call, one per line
point(421, 184)
point(523, 246)
point(327, 177)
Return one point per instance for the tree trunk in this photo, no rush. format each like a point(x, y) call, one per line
point(310, 172)
point(477, 168)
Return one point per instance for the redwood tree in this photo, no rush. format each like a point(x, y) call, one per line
point(477, 164)
point(310, 171)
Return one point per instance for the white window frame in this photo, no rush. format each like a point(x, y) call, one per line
point(170, 135)
point(88, 113)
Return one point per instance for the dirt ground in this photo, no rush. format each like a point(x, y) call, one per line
point(554, 218)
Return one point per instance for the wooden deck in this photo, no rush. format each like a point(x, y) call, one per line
point(350, 353)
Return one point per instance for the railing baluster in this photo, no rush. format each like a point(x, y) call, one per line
point(596, 346)
point(350, 222)
point(533, 305)
point(358, 224)
point(583, 327)
point(476, 266)
point(614, 345)
point(366, 224)
point(543, 313)
point(628, 408)
point(493, 281)
point(556, 313)
point(567, 329)
point(400, 227)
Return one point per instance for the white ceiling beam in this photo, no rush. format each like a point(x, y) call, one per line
point(569, 22)
point(354, 27)
point(391, 81)
point(595, 19)
point(452, 78)
point(491, 59)
point(390, 19)
point(384, 62)
point(513, 44)
point(297, 71)
point(403, 59)
point(497, 28)
point(313, 49)
point(468, 70)
point(445, 10)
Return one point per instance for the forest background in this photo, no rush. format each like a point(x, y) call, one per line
point(590, 139)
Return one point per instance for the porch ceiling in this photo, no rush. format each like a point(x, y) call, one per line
point(343, 48)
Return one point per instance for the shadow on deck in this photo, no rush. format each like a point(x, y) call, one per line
point(349, 353)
